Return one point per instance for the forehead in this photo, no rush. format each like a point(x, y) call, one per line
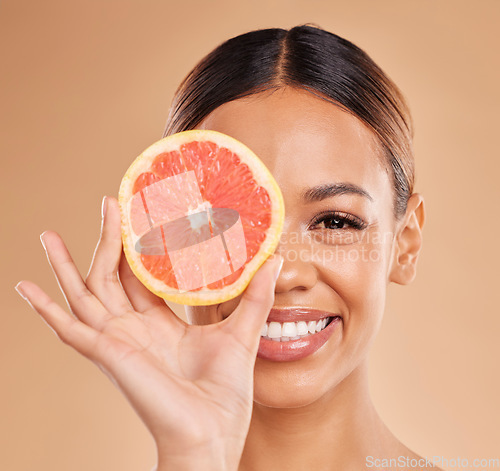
point(304, 140)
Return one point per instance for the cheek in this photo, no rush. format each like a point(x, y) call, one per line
point(357, 273)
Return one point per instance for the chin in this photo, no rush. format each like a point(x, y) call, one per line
point(292, 385)
point(288, 400)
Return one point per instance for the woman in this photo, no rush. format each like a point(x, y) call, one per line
point(216, 394)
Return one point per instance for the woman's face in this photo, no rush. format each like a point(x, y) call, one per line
point(331, 263)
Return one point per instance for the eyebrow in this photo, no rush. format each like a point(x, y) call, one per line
point(321, 192)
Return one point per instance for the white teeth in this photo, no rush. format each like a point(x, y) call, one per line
point(263, 331)
point(274, 330)
point(311, 325)
point(289, 329)
point(302, 328)
point(286, 331)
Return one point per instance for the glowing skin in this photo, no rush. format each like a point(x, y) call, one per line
point(301, 406)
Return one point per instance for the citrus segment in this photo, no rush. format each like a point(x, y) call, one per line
point(200, 214)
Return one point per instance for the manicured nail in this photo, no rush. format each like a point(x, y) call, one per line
point(103, 207)
point(278, 266)
point(41, 239)
point(20, 291)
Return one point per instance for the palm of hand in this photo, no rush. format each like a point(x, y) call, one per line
point(197, 376)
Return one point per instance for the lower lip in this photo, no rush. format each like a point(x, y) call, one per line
point(296, 349)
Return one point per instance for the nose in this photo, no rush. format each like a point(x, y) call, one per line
point(298, 271)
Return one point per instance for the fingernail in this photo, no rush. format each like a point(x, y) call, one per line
point(41, 239)
point(278, 266)
point(103, 207)
point(20, 291)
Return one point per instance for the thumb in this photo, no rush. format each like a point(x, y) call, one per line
point(255, 304)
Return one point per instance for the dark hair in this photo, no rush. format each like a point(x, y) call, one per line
point(310, 58)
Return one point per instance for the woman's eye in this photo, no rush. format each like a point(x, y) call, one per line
point(337, 221)
point(333, 223)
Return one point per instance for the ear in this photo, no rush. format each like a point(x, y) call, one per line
point(408, 242)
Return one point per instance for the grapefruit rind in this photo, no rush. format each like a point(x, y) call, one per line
point(262, 176)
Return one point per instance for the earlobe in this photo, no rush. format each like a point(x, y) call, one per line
point(408, 242)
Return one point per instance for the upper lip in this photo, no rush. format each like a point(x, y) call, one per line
point(296, 314)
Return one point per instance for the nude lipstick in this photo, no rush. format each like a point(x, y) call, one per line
point(295, 333)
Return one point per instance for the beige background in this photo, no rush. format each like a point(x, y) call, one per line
point(85, 87)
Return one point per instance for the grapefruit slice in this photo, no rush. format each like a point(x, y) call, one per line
point(200, 213)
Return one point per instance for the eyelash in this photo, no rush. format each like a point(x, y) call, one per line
point(340, 218)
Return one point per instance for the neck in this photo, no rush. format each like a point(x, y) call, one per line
point(340, 428)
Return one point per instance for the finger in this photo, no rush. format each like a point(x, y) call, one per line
point(102, 278)
point(122, 363)
point(67, 328)
point(84, 305)
point(106, 352)
point(139, 296)
point(253, 309)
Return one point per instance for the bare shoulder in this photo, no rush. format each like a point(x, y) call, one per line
point(416, 462)
point(403, 457)
point(425, 464)
point(398, 456)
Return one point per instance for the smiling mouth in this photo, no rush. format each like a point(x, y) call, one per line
point(294, 333)
point(286, 331)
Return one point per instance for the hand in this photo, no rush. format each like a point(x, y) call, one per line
point(191, 385)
